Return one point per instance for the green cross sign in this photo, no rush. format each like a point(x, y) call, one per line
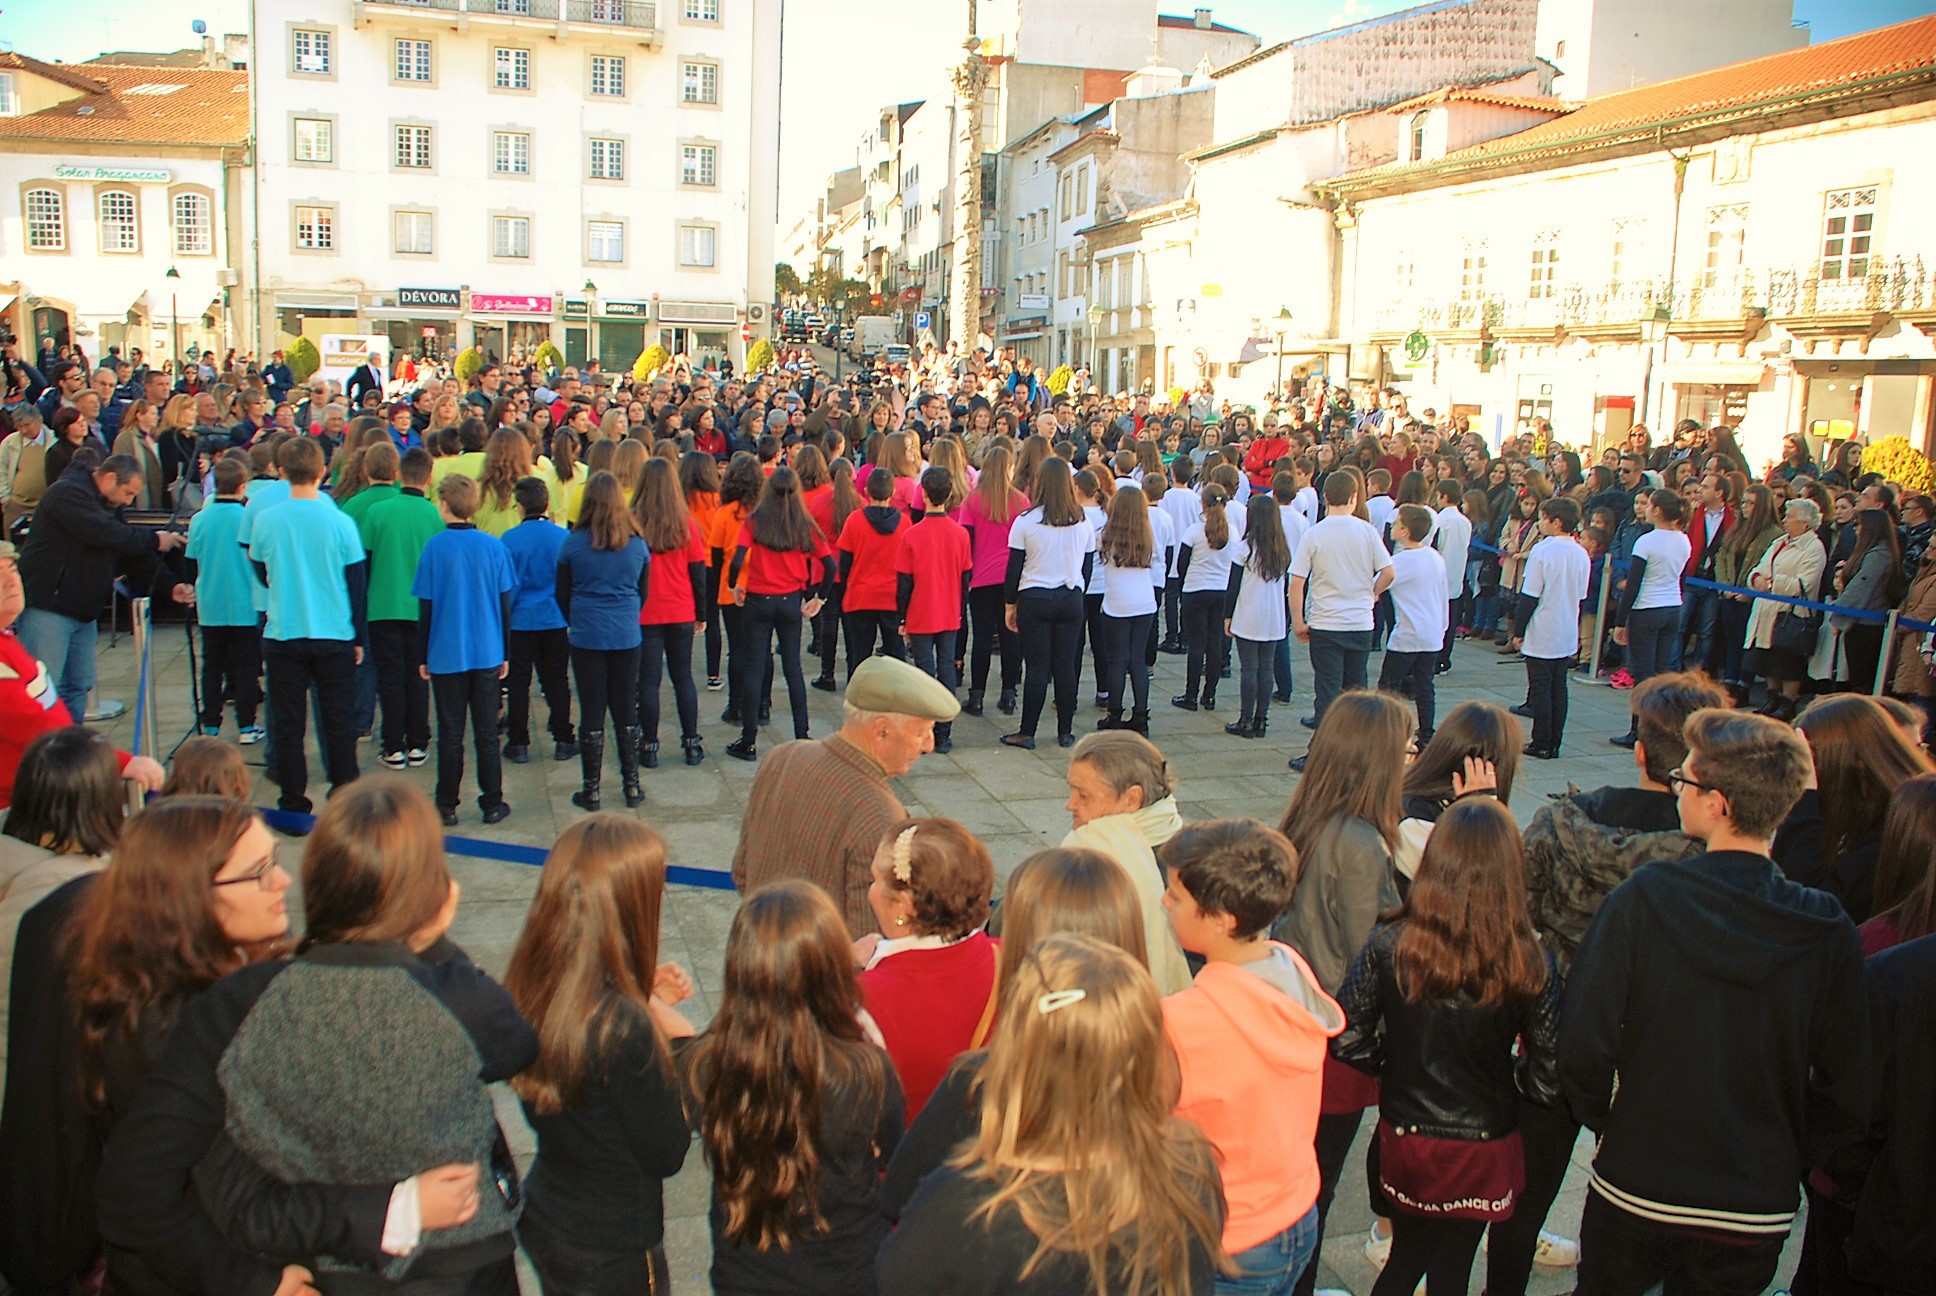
point(1416, 345)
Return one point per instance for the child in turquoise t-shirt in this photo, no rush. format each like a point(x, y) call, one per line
point(226, 590)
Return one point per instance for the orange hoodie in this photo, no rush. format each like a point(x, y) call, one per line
point(1251, 1040)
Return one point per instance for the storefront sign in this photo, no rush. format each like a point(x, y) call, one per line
point(1033, 301)
point(576, 308)
point(510, 304)
point(135, 175)
point(624, 309)
point(435, 298)
point(342, 354)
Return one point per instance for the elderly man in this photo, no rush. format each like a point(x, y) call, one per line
point(819, 809)
point(1122, 805)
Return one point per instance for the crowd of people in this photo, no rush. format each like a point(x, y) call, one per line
point(1143, 1068)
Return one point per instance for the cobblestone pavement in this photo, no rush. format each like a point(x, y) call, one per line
point(1012, 799)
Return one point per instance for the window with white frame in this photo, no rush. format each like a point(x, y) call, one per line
point(413, 233)
point(194, 225)
point(1543, 280)
point(513, 68)
point(605, 240)
point(1727, 241)
point(413, 146)
point(510, 236)
point(1415, 136)
point(311, 51)
point(316, 228)
point(413, 60)
point(698, 164)
point(701, 83)
point(46, 220)
point(118, 227)
point(1403, 272)
point(698, 246)
point(1624, 258)
point(511, 152)
point(608, 11)
point(608, 75)
point(315, 139)
point(514, 6)
point(702, 10)
point(608, 159)
point(1848, 233)
point(1472, 273)
point(1082, 191)
point(9, 99)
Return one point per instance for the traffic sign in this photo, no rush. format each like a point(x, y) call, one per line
point(923, 321)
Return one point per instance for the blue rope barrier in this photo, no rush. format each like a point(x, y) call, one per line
point(505, 852)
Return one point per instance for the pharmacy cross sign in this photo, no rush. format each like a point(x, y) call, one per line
point(1416, 345)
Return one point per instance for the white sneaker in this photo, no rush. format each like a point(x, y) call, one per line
point(1378, 1247)
point(1556, 1252)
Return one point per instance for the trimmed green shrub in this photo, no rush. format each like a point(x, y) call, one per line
point(303, 360)
point(650, 360)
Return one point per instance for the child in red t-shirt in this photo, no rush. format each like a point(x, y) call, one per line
point(933, 566)
point(869, 542)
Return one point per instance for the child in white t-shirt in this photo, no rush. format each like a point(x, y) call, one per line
point(1547, 621)
point(1256, 613)
point(1418, 592)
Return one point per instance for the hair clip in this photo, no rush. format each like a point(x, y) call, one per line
point(1058, 999)
point(904, 855)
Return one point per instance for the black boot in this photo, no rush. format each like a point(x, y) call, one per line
point(973, 706)
point(630, 739)
point(1006, 704)
point(1139, 721)
point(649, 755)
point(944, 738)
point(591, 761)
point(695, 749)
point(1210, 698)
point(1113, 720)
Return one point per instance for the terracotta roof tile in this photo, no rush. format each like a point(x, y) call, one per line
point(208, 107)
point(1479, 95)
point(1606, 120)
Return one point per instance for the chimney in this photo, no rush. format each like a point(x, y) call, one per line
point(1203, 20)
point(208, 52)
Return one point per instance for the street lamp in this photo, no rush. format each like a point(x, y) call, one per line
point(174, 321)
point(591, 322)
point(1095, 353)
point(1283, 327)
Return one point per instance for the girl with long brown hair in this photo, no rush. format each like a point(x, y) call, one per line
point(830, 510)
point(628, 461)
point(699, 482)
point(1455, 1005)
point(1203, 560)
point(798, 1111)
point(1343, 822)
point(780, 571)
point(400, 1037)
point(946, 452)
point(740, 484)
point(603, 573)
point(674, 596)
point(1033, 453)
point(1133, 568)
point(601, 1097)
point(507, 461)
point(1832, 837)
point(1080, 1177)
point(568, 477)
point(1905, 873)
point(1255, 611)
point(988, 514)
point(1052, 551)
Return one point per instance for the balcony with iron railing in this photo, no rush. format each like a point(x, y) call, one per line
point(631, 15)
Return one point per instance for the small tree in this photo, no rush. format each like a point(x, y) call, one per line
point(650, 361)
point(469, 361)
point(548, 358)
point(302, 359)
point(786, 280)
point(759, 357)
point(1060, 379)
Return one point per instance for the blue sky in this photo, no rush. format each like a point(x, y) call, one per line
point(824, 106)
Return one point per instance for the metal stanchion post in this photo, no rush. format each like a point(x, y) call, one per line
point(1888, 654)
point(144, 703)
point(1600, 618)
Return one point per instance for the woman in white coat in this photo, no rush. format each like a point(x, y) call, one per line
point(1793, 566)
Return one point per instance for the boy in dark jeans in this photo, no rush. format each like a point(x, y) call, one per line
point(394, 532)
point(537, 628)
point(464, 584)
point(1547, 622)
point(225, 606)
point(1418, 592)
point(932, 571)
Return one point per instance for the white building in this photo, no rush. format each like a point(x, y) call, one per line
point(596, 173)
point(1600, 46)
point(1184, 41)
point(1030, 187)
point(129, 190)
point(1742, 246)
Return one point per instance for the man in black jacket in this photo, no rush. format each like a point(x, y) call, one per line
point(1727, 1004)
point(77, 546)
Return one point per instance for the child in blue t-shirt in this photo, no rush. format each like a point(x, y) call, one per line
point(225, 605)
point(538, 636)
point(464, 584)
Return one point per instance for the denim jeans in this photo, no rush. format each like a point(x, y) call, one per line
point(1254, 658)
point(1281, 666)
point(1271, 1268)
point(467, 696)
point(1339, 661)
point(934, 654)
point(1653, 639)
point(66, 648)
point(1700, 629)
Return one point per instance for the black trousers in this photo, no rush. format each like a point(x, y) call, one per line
point(467, 694)
point(295, 666)
point(232, 669)
point(1255, 658)
point(715, 638)
point(568, 1270)
point(608, 679)
point(1862, 644)
point(1203, 629)
point(771, 616)
point(1050, 626)
point(1173, 610)
point(1547, 1135)
point(666, 650)
point(1334, 1139)
point(1437, 1250)
point(403, 692)
point(736, 647)
point(1546, 695)
point(826, 628)
point(1092, 631)
point(1418, 668)
point(990, 616)
point(1625, 1255)
point(864, 626)
point(1125, 645)
point(549, 652)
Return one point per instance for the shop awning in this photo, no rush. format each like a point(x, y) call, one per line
point(316, 301)
point(1018, 337)
point(1714, 373)
point(408, 313)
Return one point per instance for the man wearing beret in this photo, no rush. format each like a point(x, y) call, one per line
point(819, 809)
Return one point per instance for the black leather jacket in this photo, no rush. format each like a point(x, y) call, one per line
point(1448, 1066)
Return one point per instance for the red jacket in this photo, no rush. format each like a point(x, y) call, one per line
point(29, 708)
point(1261, 460)
point(1697, 534)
